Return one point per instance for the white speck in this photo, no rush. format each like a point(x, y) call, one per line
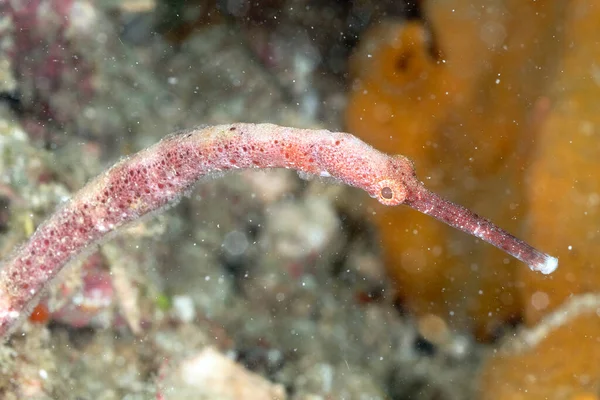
point(497, 81)
point(43, 374)
point(570, 247)
point(77, 299)
point(325, 174)
point(172, 80)
point(184, 308)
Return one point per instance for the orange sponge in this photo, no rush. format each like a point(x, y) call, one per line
point(467, 122)
point(402, 95)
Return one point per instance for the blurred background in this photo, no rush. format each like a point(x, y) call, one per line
point(262, 285)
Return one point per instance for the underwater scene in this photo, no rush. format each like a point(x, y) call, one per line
point(299, 199)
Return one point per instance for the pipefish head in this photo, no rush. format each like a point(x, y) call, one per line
point(399, 183)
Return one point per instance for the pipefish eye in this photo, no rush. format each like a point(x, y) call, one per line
point(387, 193)
point(390, 192)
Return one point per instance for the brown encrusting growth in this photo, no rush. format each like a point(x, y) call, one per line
point(161, 174)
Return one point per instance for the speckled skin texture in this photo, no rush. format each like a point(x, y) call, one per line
point(159, 175)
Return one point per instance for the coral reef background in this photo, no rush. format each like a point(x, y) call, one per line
point(264, 285)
